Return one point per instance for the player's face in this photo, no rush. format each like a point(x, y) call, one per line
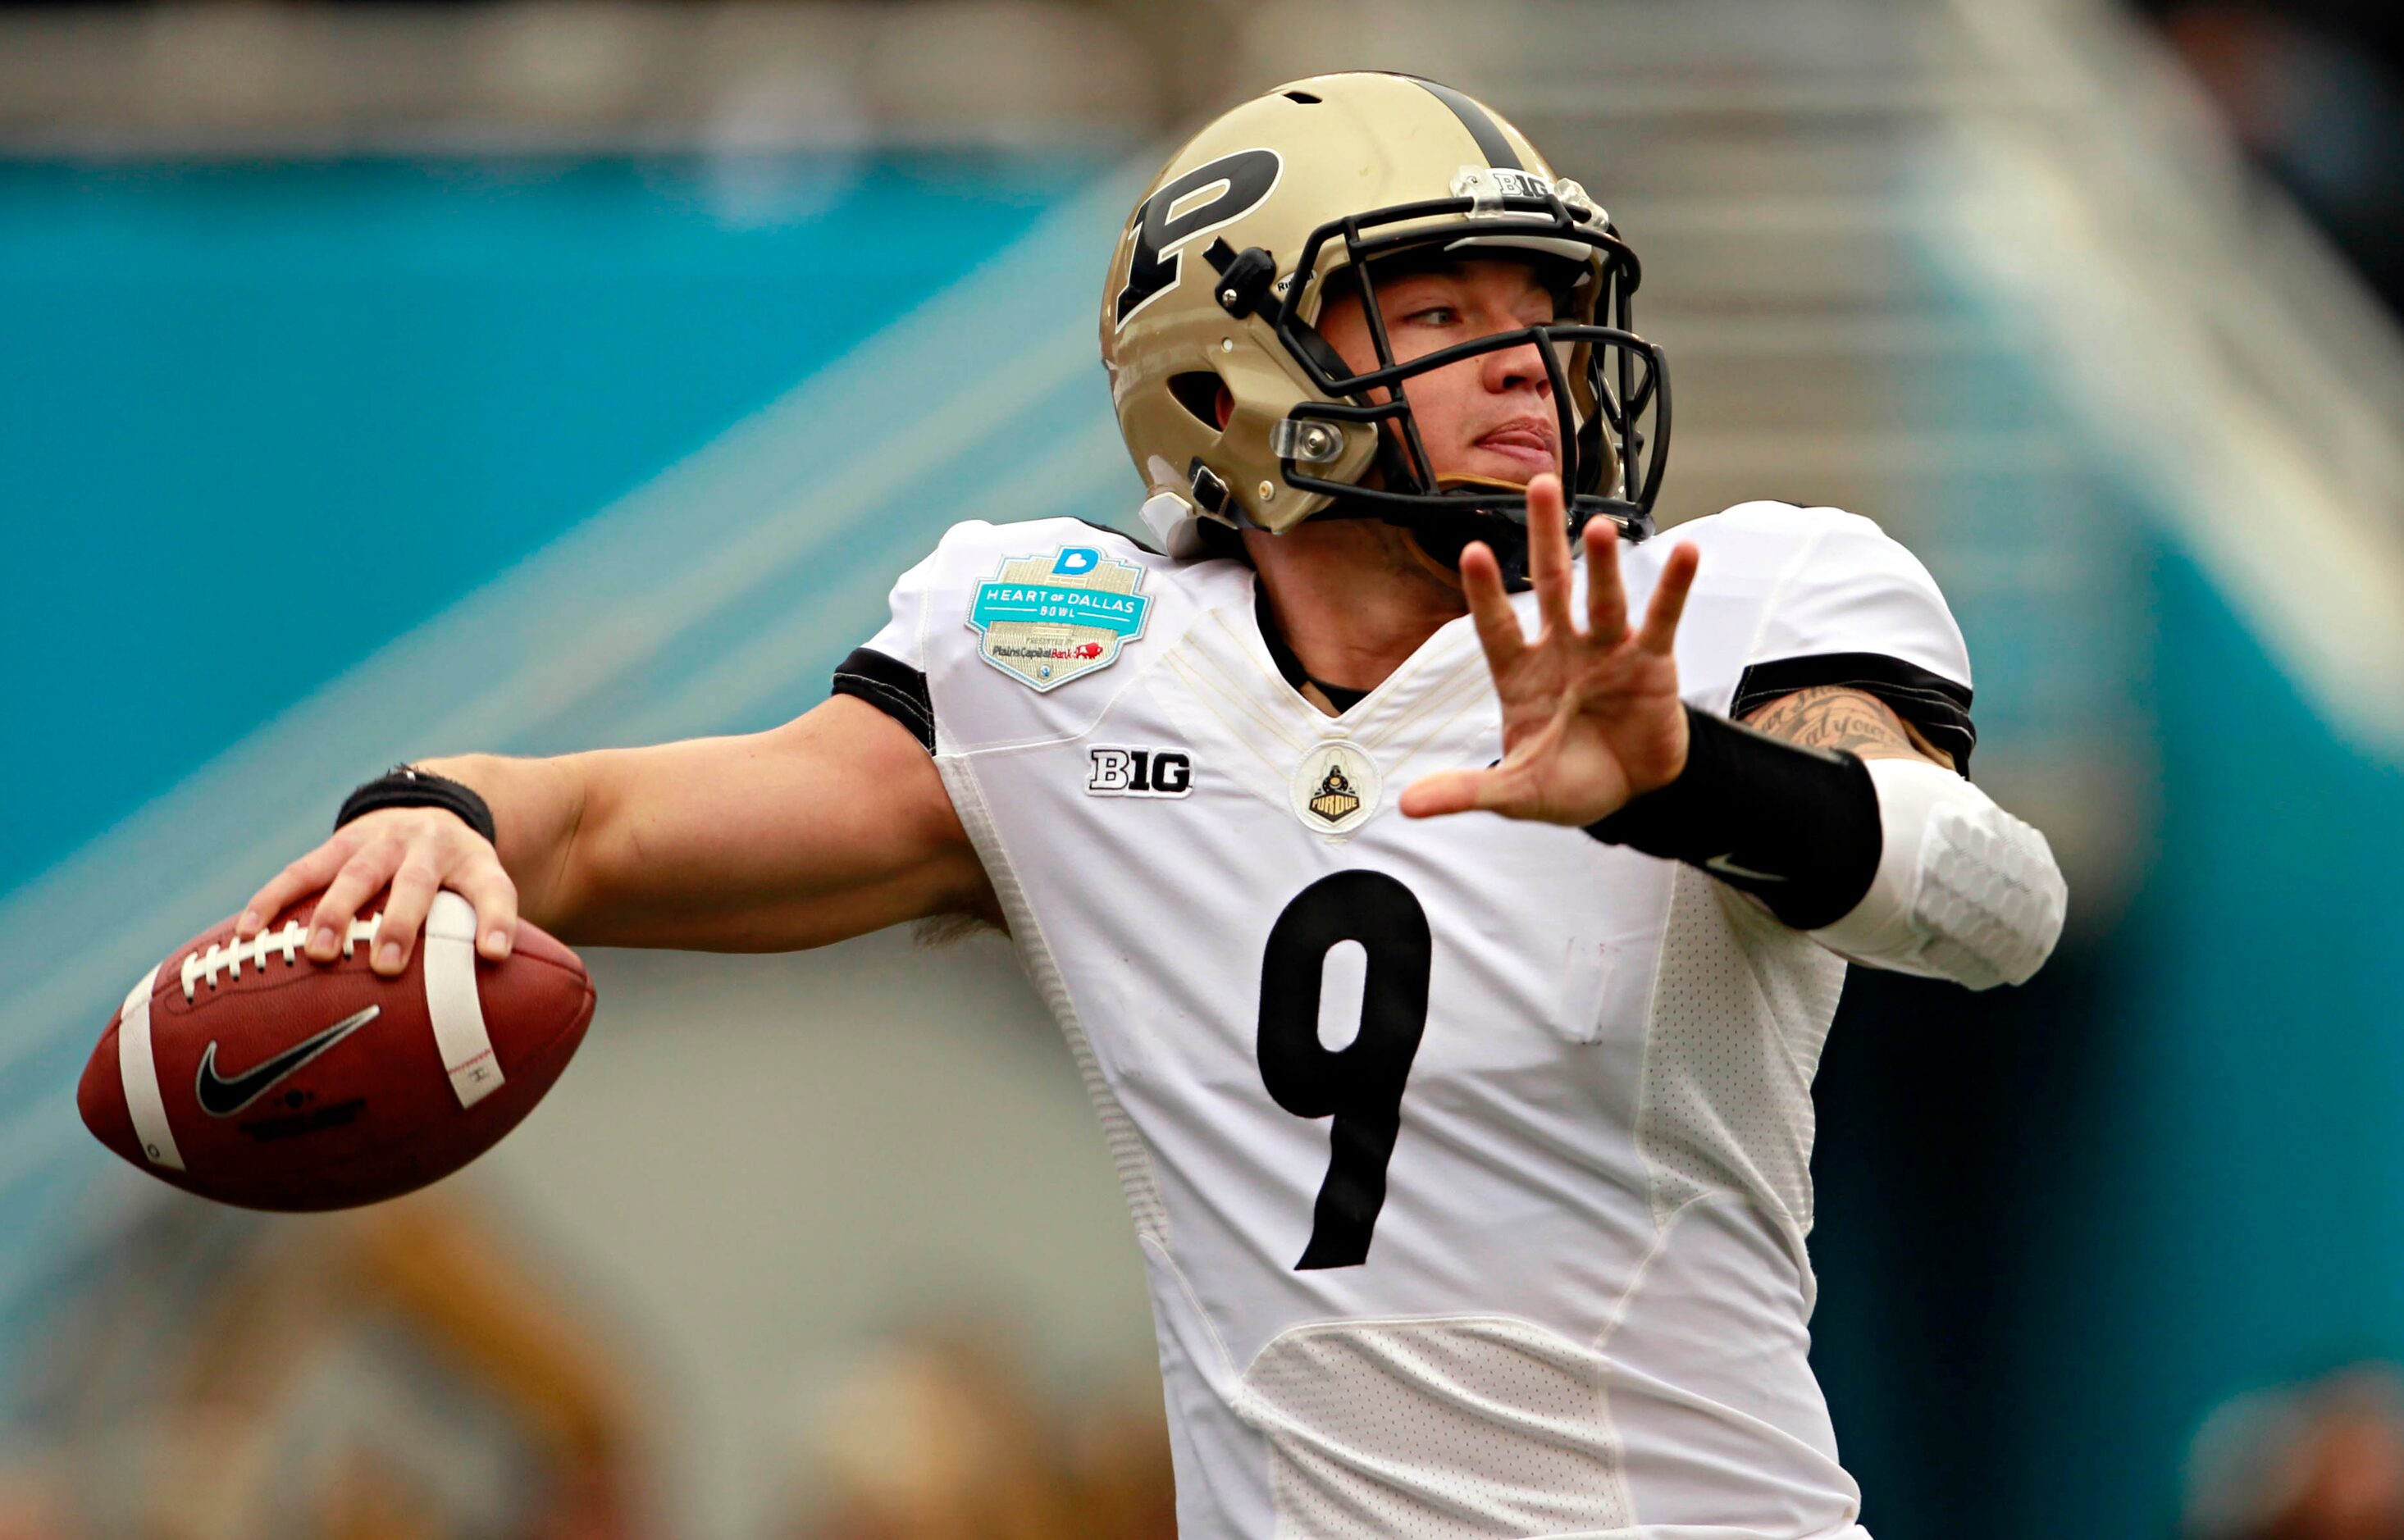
point(1490, 416)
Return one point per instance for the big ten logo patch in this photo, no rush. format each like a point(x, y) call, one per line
point(1139, 772)
point(1046, 619)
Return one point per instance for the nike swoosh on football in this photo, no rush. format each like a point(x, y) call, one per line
point(224, 1098)
point(1726, 867)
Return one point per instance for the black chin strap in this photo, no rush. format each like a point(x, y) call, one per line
point(1445, 536)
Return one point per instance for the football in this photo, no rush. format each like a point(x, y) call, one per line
point(244, 1072)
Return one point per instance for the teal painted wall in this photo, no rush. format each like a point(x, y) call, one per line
point(2230, 1212)
point(220, 382)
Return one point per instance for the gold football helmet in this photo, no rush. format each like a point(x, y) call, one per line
point(1223, 269)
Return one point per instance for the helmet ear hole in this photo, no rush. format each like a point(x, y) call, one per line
point(1197, 392)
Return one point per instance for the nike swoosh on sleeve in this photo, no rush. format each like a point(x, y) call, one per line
point(1726, 867)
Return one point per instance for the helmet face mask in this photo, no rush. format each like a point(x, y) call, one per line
point(1608, 386)
point(1320, 190)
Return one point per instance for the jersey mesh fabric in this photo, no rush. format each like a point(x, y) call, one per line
point(1740, 1009)
point(1436, 1430)
point(1129, 1158)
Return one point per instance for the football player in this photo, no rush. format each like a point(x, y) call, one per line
point(1469, 1154)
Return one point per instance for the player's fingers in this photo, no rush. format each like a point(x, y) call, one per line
point(1668, 604)
point(495, 898)
point(1489, 607)
point(414, 887)
point(1548, 553)
point(306, 874)
point(1606, 596)
point(362, 877)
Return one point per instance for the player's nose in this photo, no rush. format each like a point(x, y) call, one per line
point(1520, 367)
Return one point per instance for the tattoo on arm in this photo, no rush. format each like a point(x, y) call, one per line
point(1841, 720)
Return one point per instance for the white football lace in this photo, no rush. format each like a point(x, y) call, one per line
point(205, 966)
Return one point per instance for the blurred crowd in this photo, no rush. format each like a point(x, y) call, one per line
point(416, 1371)
point(2314, 91)
point(941, 1434)
point(2319, 1461)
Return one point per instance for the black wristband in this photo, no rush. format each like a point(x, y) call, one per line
point(406, 786)
point(1795, 827)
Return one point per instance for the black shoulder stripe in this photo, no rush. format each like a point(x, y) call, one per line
point(1938, 706)
point(892, 687)
point(1491, 140)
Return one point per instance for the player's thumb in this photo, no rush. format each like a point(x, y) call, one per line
point(1448, 791)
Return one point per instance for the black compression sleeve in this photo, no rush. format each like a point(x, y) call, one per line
point(1795, 827)
point(406, 786)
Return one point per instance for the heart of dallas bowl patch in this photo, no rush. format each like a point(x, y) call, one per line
point(1046, 619)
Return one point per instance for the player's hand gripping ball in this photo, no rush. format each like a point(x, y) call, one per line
point(244, 1072)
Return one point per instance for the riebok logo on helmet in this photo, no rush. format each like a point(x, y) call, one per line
point(1192, 205)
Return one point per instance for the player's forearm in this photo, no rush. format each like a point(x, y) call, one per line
point(827, 827)
point(537, 805)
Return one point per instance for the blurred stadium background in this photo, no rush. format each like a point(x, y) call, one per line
point(389, 380)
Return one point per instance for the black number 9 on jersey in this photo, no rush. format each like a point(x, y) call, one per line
point(1361, 1084)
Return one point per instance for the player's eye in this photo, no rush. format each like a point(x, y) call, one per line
point(1432, 315)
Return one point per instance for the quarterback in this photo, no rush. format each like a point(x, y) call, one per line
point(1443, 887)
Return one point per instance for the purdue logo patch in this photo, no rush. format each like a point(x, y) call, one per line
point(1046, 619)
point(1335, 788)
point(1334, 801)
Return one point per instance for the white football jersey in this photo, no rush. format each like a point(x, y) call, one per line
point(1469, 1158)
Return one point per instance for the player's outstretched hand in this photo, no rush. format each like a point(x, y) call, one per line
point(416, 853)
point(1590, 717)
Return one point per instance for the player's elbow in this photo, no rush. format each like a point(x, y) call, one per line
point(1965, 891)
point(604, 869)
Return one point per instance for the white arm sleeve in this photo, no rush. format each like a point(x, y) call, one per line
point(1965, 891)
